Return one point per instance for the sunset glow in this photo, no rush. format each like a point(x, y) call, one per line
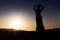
point(17, 21)
point(16, 24)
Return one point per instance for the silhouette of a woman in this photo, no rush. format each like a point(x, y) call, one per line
point(38, 8)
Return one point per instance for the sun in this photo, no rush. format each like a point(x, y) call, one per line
point(16, 24)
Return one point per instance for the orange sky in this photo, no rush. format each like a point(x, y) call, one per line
point(11, 21)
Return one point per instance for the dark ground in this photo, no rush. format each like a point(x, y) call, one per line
point(6, 34)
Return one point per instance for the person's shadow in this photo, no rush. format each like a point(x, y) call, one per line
point(39, 23)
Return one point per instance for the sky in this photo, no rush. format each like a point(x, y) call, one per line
point(23, 10)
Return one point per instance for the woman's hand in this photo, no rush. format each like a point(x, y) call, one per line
point(38, 7)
